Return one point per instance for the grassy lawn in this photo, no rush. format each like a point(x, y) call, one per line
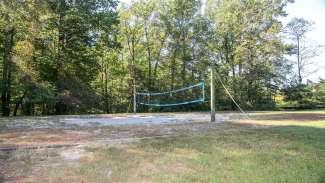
point(273, 147)
point(285, 153)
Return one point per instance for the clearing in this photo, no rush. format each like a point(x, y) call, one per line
point(169, 147)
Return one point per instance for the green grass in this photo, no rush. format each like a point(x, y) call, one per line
point(243, 154)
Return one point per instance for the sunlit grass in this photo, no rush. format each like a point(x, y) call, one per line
point(296, 118)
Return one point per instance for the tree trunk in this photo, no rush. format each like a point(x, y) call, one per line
point(230, 60)
point(184, 59)
point(184, 72)
point(173, 70)
point(240, 81)
point(60, 106)
point(6, 77)
point(18, 103)
point(299, 61)
point(131, 42)
point(149, 59)
point(193, 68)
point(233, 106)
point(154, 80)
point(28, 109)
point(106, 101)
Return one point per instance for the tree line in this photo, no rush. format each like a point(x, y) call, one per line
point(85, 56)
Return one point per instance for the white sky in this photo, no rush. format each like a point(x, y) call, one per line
point(313, 10)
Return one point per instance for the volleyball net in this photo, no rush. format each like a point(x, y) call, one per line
point(183, 96)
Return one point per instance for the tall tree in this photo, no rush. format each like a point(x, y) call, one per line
point(304, 50)
point(180, 19)
point(249, 46)
point(15, 21)
point(76, 26)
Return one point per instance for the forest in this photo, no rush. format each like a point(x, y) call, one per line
point(86, 56)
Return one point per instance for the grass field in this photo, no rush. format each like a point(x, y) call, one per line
point(271, 147)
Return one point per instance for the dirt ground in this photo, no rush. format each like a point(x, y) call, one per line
point(30, 143)
point(58, 131)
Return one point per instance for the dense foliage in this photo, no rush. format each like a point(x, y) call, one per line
point(304, 96)
point(85, 56)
